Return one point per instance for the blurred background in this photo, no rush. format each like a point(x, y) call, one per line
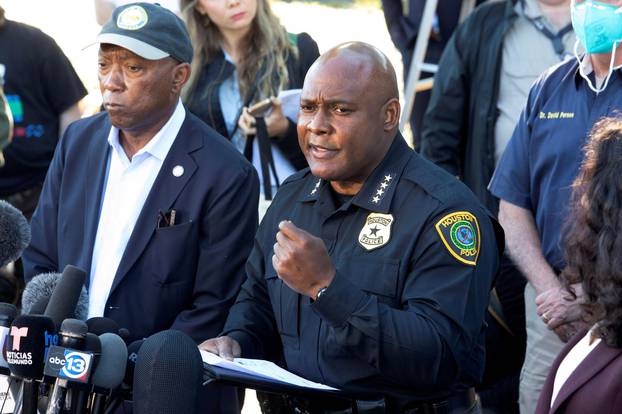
point(72, 24)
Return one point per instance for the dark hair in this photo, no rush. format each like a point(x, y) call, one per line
point(594, 238)
point(2, 20)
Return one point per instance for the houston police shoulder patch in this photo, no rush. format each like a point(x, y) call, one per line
point(377, 231)
point(459, 232)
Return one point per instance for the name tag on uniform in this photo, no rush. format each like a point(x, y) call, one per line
point(377, 231)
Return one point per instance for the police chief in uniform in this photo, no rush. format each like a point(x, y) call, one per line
point(372, 269)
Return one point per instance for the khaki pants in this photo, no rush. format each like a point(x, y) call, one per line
point(543, 345)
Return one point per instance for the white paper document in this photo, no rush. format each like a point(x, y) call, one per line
point(262, 369)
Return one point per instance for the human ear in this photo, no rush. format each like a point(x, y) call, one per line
point(391, 114)
point(181, 73)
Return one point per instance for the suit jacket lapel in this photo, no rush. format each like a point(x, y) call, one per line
point(165, 190)
point(94, 187)
point(596, 360)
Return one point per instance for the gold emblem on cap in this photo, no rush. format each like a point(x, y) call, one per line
point(377, 231)
point(132, 18)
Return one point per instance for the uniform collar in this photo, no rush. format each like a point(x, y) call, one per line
point(377, 191)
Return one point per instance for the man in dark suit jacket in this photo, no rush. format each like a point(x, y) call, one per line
point(158, 207)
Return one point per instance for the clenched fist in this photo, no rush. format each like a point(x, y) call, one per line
point(301, 260)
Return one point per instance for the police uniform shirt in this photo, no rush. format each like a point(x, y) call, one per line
point(546, 150)
point(415, 254)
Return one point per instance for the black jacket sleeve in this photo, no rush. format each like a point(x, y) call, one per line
point(443, 135)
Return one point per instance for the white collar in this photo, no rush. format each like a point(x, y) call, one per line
point(162, 141)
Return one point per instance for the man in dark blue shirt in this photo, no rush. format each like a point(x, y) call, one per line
point(533, 180)
point(371, 270)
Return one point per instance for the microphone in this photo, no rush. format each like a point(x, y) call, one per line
point(66, 362)
point(110, 371)
point(14, 233)
point(8, 312)
point(168, 374)
point(132, 357)
point(38, 308)
point(66, 294)
point(100, 325)
point(78, 395)
point(39, 290)
point(124, 333)
point(25, 354)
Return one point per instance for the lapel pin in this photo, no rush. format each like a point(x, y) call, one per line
point(178, 171)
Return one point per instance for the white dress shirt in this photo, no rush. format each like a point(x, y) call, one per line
point(128, 183)
point(571, 361)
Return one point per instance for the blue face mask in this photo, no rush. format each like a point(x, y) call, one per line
point(598, 26)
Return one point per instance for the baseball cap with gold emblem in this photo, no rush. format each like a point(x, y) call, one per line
point(149, 30)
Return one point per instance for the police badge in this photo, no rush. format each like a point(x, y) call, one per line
point(459, 232)
point(376, 232)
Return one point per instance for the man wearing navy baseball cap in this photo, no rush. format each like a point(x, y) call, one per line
point(149, 30)
point(157, 207)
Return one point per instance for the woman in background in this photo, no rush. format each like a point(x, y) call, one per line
point(243, 56)
point(586, 377)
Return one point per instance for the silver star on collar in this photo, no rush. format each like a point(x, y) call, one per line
point(317, 185)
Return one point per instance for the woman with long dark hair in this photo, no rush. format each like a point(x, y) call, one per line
point(242, 56)
point(586, 377)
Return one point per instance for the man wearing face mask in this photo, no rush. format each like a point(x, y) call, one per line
point(486, 72)
point(534, 176)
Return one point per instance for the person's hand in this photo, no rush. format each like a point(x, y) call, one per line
point(301, 260)
point(276, 122)
point(246, 123)
point(557, 307)
point(568, 330)
point(223, 346)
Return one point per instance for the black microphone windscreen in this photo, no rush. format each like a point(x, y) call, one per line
point(124, 333)
point(66, 294)
point(28, 337)
point(14, 233)
point(8, 312)
point(132, 356)
point(92, 344)
point(168, 374)
point(112, 363)
point(38, 308)
point(100, 325)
